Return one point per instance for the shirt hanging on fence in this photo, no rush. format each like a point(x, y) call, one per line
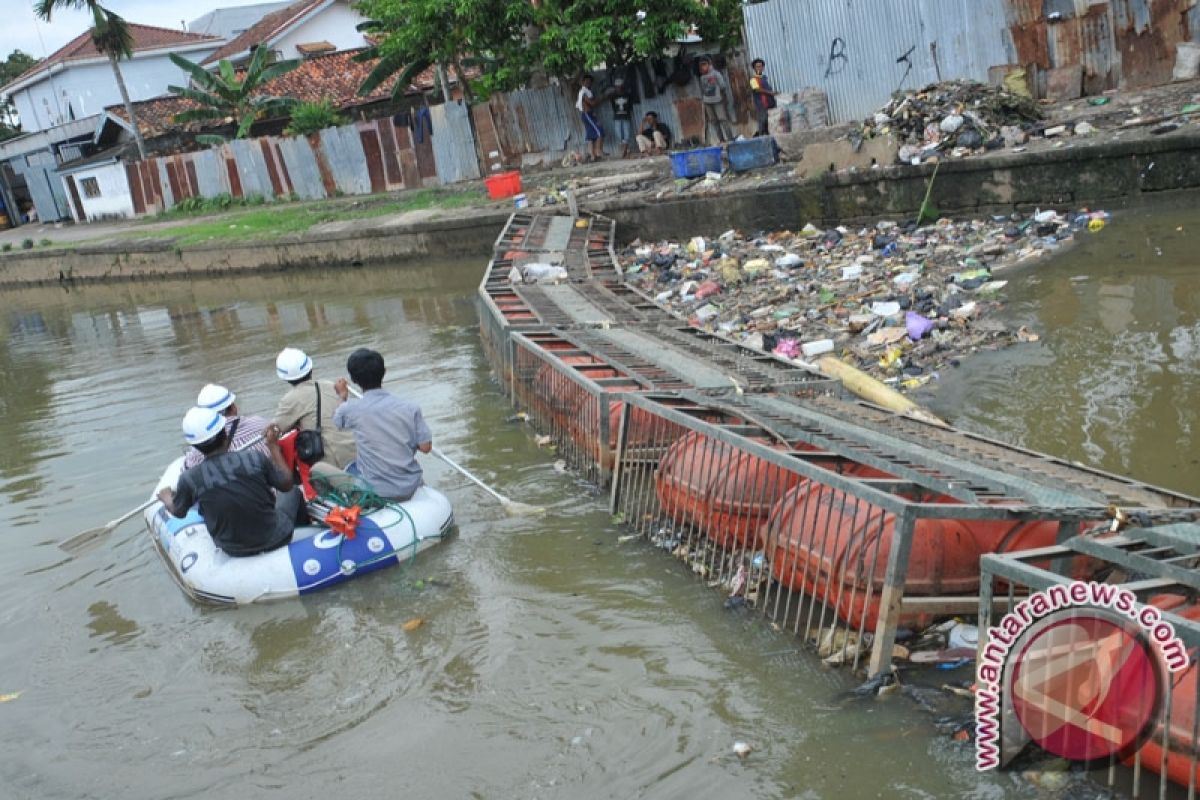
point(422, 125)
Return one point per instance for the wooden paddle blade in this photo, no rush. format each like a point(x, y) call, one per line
point(81, 541)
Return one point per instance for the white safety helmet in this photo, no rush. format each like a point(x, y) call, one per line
point(218, 398)
point(292, 364)
point(202, 425)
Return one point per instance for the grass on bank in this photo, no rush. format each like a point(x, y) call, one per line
point(269, 220)
point(223, 219)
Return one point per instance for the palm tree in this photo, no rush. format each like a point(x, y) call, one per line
point(225, 96)
point(111, 35)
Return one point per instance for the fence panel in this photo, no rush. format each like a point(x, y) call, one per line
point(454, 144)
point(302, 167)
point(210, 173)
point(344, 151)
point(252, 168)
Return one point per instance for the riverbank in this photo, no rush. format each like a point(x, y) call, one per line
point(1118, 170)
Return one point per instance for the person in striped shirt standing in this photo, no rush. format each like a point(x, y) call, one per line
point(241, 430)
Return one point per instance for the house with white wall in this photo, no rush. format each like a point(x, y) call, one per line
point(98, 189)
point(300, 30)
point(61, 99)
point(229, 23)
point(76, 80)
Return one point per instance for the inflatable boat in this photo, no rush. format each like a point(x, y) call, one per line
point(316, 558)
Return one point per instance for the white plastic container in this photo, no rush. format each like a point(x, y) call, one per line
point(816, 348)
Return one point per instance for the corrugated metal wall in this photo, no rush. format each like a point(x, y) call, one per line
point(860, 51)
point(454, 149)
point(1118, 43)
point(361, 158)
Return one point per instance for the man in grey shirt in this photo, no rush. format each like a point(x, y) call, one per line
point(388, 431)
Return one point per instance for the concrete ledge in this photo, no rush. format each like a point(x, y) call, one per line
point(350, 245)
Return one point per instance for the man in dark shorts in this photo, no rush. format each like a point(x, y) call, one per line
point(233, 488)
point(593, 133)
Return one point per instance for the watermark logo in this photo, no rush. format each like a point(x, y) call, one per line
point(1077, 669)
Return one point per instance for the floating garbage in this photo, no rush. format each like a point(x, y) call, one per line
point(900, 301)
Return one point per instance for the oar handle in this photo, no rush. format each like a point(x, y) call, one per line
point(132, 513)
point(470, 477)
point(455, 466)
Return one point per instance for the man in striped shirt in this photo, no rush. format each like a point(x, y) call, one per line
point(241, 430)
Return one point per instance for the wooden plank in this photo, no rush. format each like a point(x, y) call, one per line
point(189, 166)
point(264, 144)
point(391, 157)
point(235, 180)
point(76, 204)
point(374, 156)
point(134, 178)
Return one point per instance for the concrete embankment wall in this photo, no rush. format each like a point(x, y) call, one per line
point(140, 260)
point(1099, 175)
point(1109, 174)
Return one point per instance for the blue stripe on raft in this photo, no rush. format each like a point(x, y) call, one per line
point(316, 561)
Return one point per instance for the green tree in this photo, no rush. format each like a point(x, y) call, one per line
point(10, 69)
point(111, 35)
point(513, 40)
point(226, 96)
point(412, 35)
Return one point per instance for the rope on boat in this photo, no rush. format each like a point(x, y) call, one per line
point(357, 493)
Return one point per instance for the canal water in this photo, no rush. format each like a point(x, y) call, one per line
point(1114, 379)
point(555, 660)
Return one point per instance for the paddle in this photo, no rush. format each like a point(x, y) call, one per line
point(513, 507)
point(80, 541)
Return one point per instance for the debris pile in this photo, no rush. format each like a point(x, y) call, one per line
point(898, 300)
point(954, 117)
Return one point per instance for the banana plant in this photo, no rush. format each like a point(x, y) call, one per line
point(229, 97)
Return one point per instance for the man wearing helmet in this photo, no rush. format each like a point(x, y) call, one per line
point(233, 487)
point(298, 406)
point(243, 431)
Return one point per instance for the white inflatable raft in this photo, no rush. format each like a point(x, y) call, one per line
point(315, 559)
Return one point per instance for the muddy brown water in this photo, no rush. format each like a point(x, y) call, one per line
point(554, 662)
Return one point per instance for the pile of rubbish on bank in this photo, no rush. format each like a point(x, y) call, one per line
point(898, 300)
point(954, 117)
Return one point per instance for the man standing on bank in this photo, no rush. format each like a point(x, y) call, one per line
point(762, 94)
point(714, 91)
point(593, 132)
point(389, 431)
point(233, 487)
point(298, 406)
point(622, 108)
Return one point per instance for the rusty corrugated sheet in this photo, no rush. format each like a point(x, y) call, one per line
point(1101, 62)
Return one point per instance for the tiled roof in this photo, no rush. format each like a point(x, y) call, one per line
point(265, 29)
point(335, 77)
point(145, 37)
